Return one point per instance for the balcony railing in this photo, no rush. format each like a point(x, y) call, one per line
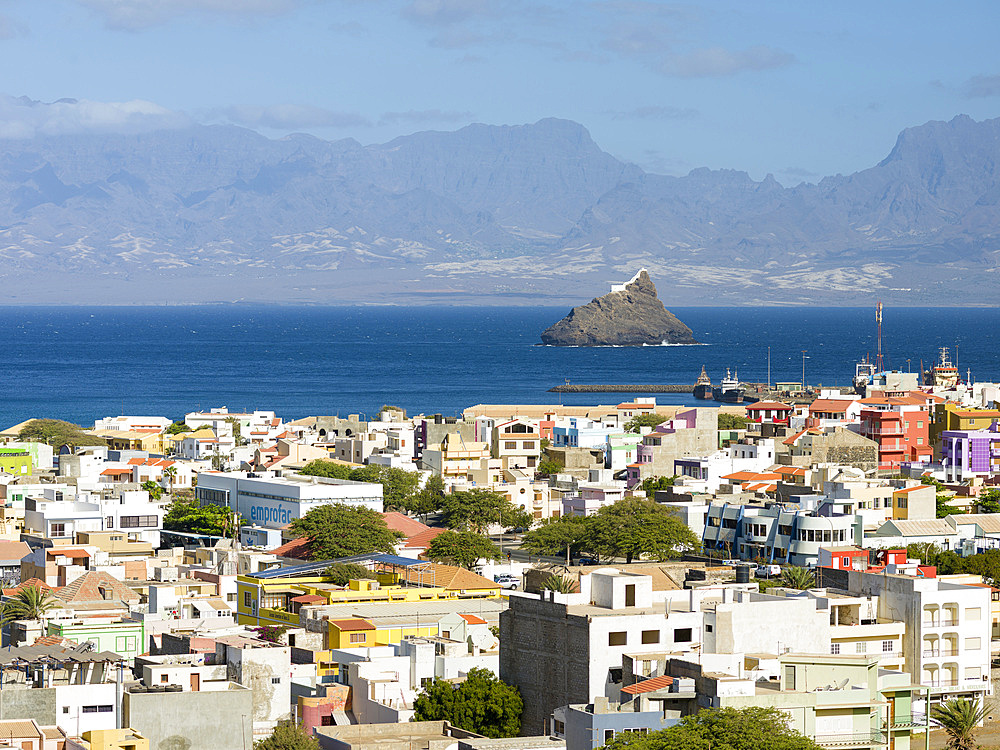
point(907, 721)
point(949, 623)
point(847, 739)
point(936, 652)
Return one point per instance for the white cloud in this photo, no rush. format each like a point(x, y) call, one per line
point(446, 12)
point(25, 118)
point(718, 61)
point(135, 15)
point(289, 117)
point(424, 116)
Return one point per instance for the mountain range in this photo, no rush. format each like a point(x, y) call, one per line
point(528, 214)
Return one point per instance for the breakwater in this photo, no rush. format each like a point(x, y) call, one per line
point(601, 388)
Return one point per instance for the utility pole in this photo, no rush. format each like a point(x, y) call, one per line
point(769, 369)
point(804, 369)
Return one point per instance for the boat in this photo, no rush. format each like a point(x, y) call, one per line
point(729, 390)
point(944, 374)
point(864, 373)
point(703, 386)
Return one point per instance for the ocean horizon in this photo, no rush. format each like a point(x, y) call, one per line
point(84, 363)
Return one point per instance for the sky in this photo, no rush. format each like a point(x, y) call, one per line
point(799, 90)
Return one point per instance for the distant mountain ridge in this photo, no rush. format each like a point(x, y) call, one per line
point(526, 213)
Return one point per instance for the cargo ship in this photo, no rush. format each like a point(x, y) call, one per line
point(729, 390)
point(703, 386)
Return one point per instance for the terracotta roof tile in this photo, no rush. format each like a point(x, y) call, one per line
point(473, 619)
point(352, 624)
point(647, 686)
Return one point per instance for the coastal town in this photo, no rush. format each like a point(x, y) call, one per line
point(586, 573)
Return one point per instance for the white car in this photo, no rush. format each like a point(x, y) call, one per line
point(508, 581)
point(768, 571)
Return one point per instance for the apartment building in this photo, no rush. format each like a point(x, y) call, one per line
point(900, 426)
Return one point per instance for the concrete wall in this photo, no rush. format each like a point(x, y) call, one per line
point(545, 653)
point(38, 704)
point(192, 721)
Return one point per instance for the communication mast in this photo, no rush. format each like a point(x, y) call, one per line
point(878, 352)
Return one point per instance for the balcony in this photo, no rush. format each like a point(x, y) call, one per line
point(856, 739)
point(907, 721)
point(935, 653)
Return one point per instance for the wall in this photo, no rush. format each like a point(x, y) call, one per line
point(192, 721)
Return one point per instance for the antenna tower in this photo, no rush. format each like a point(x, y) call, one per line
point(878, 321)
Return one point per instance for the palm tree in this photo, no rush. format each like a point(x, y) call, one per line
point(560, 584)
point(29, 603)
point(959, 719)
point(798, 578)
point(171, 474)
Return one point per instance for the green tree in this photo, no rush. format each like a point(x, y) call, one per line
point(462, 548)
point(560, 584)
point(237, 430)
point(177, 428)
point(320, 467)
point(644, 420)
point(479, 508)
point(340, 574)
point(56, 432)
point(989, 501)
point(633, 527)
point(732, 421)
point(985, 564)
point(651, 484)
point(155, 491)
point(943, 509)
point(926, 552)
point(340, 530)
point(482, 703)
point(171, 474)
point(556, 536)
point(398, 485)
point(191, 517)
point(429, 499)
point(798, 578)
point(959, 719)
point(721, 729)
point(547, 467)
point(29, 603)
point(287, 736)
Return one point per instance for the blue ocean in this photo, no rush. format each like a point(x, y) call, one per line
point(84, 363)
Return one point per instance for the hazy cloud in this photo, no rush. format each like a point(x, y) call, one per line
point(9, 28)
point(289, 117)
point(424, 116)
point(446, 12)
point(456, 38)
point(982, 86)
point(135, 15)
point(352, 28)
point(21, 117)
point(655, 112)
point(717, 61)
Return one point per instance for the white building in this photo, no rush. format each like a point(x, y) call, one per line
point(127, 424)
point(273, 502)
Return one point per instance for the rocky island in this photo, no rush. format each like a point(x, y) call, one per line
point(629, 315)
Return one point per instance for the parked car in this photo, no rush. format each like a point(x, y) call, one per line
point(768, 571)
point(508, 581)
point(587, 560)
point(732, 561)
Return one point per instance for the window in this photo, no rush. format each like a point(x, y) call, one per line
point(861, 647)
point(65, 709)
point(973, 643)
point(246, 599)
point(650, 636)
point(919, 424)
point(109, 522)
point(275, 680)
point(135, 522)
point(973, 673)
point(682, 635)
point(57, 529)
point(617, 639)
point(789, 677)
point(560, 727)
point(105, 709)
point(163, 678)
point(510, 445)
point(708, 628)
point(834, 648)
point(973, 613)
point(609, 734)
point(357, 637)
point(887, 647)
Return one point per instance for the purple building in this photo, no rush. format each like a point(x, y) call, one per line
point(970, 453)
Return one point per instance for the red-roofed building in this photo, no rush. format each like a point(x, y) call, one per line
point(900, 426)
point(773, 412)
point(648, 686)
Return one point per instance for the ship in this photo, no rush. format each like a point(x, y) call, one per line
point(703, 386)
point(944, 374)
point(729, 390)
point(864, 373)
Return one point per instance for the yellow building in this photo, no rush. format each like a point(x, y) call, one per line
point(272, 599)
point(113, 739)
point(915, 503)
point(950, 416)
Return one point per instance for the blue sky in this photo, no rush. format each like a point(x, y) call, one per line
point(797, 89)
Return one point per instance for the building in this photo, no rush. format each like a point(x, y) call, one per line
point(900, 426)
point(568, 648)
point(966, 454)
point(518, 441)
point(273, 502)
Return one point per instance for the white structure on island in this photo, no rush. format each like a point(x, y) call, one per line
point(621, 287)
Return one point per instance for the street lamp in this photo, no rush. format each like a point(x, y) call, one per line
point(804, 369)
